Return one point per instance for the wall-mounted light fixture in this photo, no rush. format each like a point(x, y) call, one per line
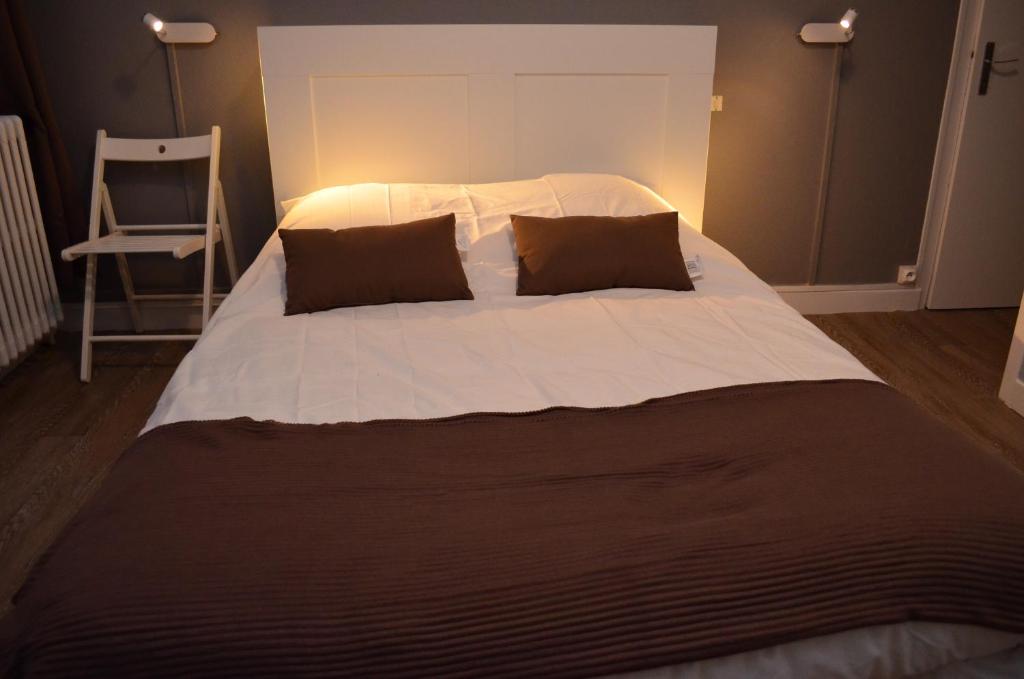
point(179, 32)
point(172, 34)
point(847, 21)
point(153, 23)
point(839, 32)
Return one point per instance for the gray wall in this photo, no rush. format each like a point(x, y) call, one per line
point(106, 70)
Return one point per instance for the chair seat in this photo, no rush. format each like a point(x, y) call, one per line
point(180, 246)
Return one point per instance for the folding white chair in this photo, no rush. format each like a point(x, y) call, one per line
point(180, 240)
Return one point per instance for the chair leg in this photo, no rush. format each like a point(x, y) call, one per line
point(226, 237)
point(129, 291)
point(208, 260)
point(212, 208)
point(122, 261)
point(89, 309)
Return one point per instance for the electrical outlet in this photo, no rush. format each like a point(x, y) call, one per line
point(907, 274)
point(716, 103)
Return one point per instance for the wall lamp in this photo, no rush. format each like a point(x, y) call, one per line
point(839, 32)
point(173, 34)
point(179, 32)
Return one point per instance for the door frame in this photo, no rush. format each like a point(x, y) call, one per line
point(947, 148)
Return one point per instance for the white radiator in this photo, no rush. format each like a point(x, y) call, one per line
point(29, 305)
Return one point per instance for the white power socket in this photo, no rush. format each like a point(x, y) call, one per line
point(907, 275)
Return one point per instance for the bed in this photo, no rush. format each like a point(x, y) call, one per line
point(628, 481)
point(499, 352)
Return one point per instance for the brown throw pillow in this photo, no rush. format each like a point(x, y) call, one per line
point(412, 262)
point(575, 254)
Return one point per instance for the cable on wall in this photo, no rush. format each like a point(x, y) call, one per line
point(181, 130)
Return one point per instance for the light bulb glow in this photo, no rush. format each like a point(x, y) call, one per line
point(154, 23)
point(847, 21)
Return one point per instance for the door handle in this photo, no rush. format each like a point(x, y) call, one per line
point(986, 66)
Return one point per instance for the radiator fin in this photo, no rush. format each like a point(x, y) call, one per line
point(29, 305)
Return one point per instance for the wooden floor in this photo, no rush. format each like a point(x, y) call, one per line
point(950, 362)
point(59, 437)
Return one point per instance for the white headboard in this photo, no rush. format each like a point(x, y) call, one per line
point(484, 103)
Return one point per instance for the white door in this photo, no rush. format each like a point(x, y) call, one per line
point(980, 260)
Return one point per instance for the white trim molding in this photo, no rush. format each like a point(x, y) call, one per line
point(947, 148)
point(842, 299)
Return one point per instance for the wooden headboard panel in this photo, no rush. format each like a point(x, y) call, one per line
point(484, 103)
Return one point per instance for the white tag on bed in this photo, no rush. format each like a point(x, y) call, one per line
point(694, 267)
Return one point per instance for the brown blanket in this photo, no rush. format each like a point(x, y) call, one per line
point(565, 542)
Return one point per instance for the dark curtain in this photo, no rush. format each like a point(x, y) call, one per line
point(23, 93)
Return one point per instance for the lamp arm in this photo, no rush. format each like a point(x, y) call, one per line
point(826, 167)
point(178, 102)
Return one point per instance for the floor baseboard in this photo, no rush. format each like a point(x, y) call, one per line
point(842, 299)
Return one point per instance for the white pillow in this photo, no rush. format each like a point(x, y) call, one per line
point(483, 228)
point(292, 202)
point(347, 206)
point(338, 207)
point(607, 195)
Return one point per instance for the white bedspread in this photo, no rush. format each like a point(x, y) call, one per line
point(498, 352)
point(505, 353)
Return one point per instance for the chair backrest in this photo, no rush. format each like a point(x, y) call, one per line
point(156, 150)
point(147, 151)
